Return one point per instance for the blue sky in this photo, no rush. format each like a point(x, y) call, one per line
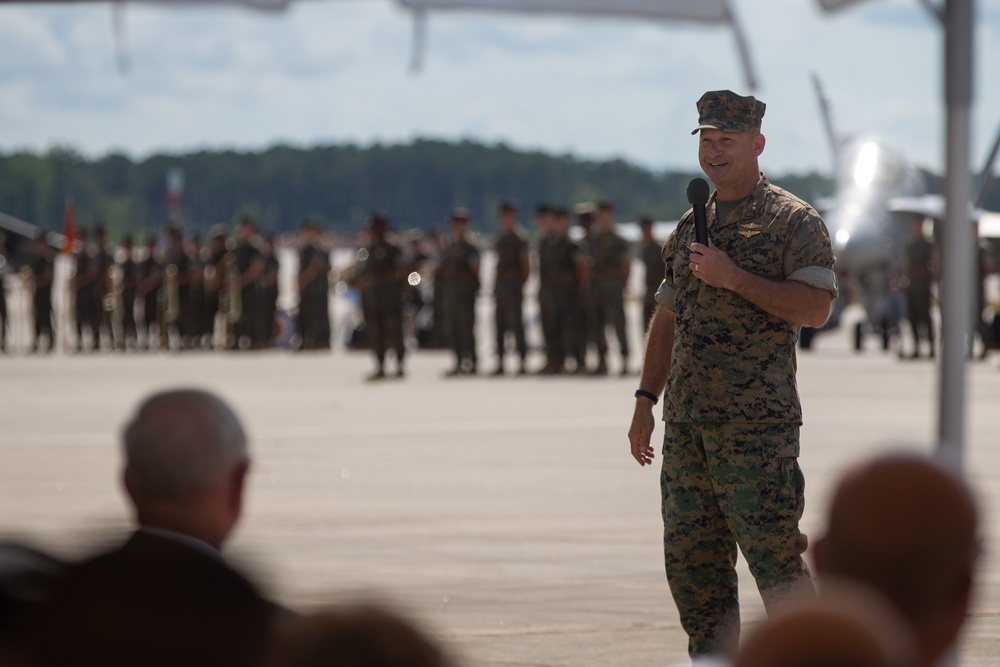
point(337, 71)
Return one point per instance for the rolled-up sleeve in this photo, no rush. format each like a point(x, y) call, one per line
point(666, 296)
point(814, 276)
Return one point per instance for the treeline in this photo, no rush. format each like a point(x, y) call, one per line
point(416, 183)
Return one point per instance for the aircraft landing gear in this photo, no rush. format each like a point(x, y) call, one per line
point(886, 331)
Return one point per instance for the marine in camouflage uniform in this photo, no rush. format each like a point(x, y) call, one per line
point(511, 274)
point(248, 263)
point(563, 278)
point(459, 267)
point(150, 275)
point(103, 298)
point(314, 288)
point(85, 307)
point(611, 266)
point(129, 280)
point(652, 260)
point(919, 269)
point(178, 261)
point(722, 342)
point(41, 265)
point(543, 220)
point(269, 290)
point(215, 285)
point(194, 335)
point(381, 277)
point(589, 300)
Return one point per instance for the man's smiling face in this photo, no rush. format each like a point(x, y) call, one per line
point(729, 159)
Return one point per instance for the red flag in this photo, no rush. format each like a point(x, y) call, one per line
point(69, 227)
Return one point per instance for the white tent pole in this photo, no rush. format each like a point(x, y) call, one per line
point(957, 288)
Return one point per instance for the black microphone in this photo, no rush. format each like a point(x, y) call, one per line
point(698, 196)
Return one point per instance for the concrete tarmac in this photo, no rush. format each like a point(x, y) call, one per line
point(505, 514)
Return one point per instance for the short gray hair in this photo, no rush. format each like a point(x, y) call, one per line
point(181, 442)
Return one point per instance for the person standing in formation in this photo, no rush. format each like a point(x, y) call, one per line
point(269, 289)
point(314, 288)
point(193, 321)
point(589, 299)
point(84, 286)
point(381, 275)
point(563, 278)
point(919, 271)
point(103, 291)
point(178, 275)
point(41, 271)
point(215, 286)
point(249, 265)
point(128, 270)
point(611, 267)
point(722, 344)
point(148, 290)
point(511, 274)
point(460, 273)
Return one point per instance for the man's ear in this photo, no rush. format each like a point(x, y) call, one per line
point(758, 144)
point(129, 486)
point(237, 483)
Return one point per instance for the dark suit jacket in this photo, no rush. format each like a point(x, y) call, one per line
point(153, 601)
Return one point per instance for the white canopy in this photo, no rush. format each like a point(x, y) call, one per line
point(708, 11)
point(701, 11)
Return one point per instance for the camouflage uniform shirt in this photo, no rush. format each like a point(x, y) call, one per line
point(510, 250)
point(457, 261)
point(732, 361)
point(610, 253)
point(381, 269)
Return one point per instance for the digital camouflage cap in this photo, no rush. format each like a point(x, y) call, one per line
point(725, 110)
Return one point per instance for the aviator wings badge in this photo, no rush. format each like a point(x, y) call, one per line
point(750, 229)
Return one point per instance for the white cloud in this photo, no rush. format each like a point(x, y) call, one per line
point(339, 71)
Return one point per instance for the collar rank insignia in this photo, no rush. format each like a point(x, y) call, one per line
point(750, 229)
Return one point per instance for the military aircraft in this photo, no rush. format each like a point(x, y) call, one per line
point(877, 193)
point(867, 236)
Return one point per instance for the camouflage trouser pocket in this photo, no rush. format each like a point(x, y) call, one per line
point(735, 484)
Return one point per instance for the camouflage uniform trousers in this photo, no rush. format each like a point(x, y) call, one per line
point(42, 312)
point(723, 485)
point(918, 313)
point(383, 311)
point(509, 318)
point(88, 315)
point(460, 321)
point(609, 310)
point(562, 315)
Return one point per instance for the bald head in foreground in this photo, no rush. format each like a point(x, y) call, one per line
point(844, 626)
point(906, 526)
point(166, 596)
point(186, 460)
